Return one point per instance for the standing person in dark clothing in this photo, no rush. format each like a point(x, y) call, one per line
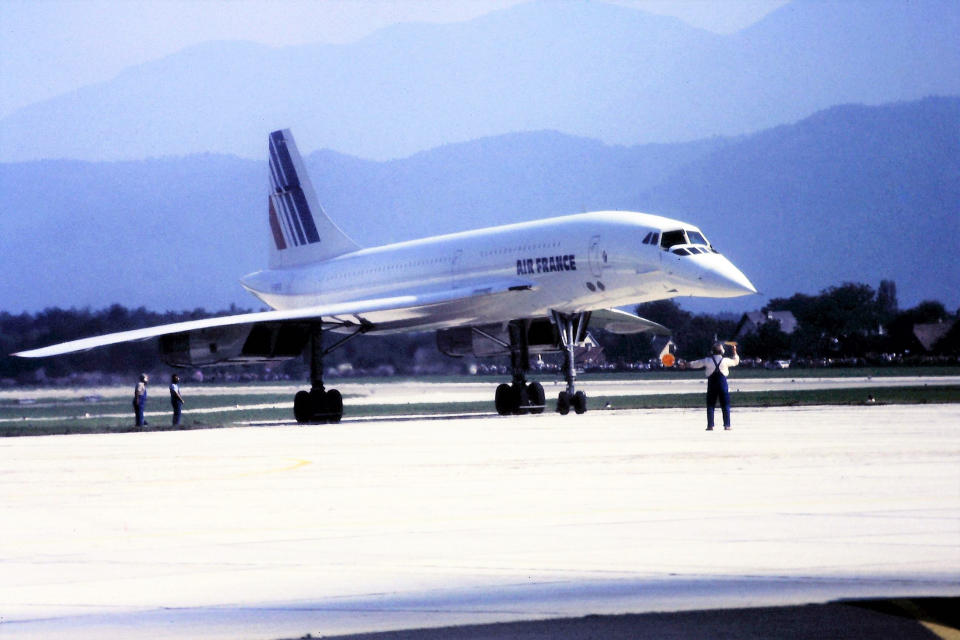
point(176, 400)
point(140, 400)
point(717, 369)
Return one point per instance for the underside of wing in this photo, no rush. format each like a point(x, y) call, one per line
point(625, 323)
point(415, 306)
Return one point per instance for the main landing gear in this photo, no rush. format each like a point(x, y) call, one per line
point(520, 396)
point(320, 405)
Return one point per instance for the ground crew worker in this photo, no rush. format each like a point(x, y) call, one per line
point(140, 400)
point(176, 400)
point(717, 369)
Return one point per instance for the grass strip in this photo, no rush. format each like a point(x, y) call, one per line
point(947, 394)
point(919, 394)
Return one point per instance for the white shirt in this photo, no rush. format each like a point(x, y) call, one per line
point(708, 364)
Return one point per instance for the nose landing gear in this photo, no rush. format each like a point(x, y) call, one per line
point(573, 330)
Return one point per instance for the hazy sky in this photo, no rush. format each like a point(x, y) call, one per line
point(48, 47)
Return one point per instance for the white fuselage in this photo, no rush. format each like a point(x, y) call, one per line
point(573, 263)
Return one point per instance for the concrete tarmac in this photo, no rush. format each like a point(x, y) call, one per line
point(274, 532)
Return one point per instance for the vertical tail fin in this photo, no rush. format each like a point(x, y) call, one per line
point(301, 231)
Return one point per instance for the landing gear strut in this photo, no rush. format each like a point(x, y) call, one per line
point(320, 405)
point(519, 396)
point(572, 329)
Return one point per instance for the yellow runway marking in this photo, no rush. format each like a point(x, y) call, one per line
point(296, 465)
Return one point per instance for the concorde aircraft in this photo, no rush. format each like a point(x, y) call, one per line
point(532, 287)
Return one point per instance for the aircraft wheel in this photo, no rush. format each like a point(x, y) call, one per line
point(563, 403)
point(521, 399)
point(318, 406)
point(302, 408)
point(504, 400)
point(536, 397)
point(579, 402)
point(334, 406)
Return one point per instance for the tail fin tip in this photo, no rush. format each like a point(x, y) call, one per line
point(301, 231)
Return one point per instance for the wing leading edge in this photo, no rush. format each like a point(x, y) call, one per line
point(345, 313)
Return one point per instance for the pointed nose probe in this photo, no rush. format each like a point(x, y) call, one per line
point(726, 280)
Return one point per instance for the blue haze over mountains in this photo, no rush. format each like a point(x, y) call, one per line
point(542, 109)
point(588, 69)
point(851, 193)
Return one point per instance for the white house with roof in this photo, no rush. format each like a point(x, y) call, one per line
point(753, 320)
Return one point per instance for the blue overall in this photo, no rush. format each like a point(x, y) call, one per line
point(176, 402)
point(717, 389)
point(139, 405)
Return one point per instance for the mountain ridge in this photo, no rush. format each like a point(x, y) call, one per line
point(853, 193)
point(587, 69)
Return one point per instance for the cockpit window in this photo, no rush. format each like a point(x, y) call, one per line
point(696, 237)
point(670, 238)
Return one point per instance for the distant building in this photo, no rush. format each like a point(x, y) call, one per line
point(753, 320)
point(928, 333)
point(591, 354)
point(662, 345)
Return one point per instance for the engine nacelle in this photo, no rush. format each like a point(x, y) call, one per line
point(240, 344)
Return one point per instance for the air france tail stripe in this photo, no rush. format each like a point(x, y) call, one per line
point(309, 228)
point(289, 214)
point(282, 218)
point(275, 176)
point(275, 228)
point(275, 161)
point(307, 231)
point(288, 203)
point(293, 221)
point(294, 201)
point(287, 219)
point(286, 163)
point(277, 181)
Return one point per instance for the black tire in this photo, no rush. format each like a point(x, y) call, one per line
point(504, 400)
point(563, 403)
point(302, 407)
point(521, 399)
point(536, 396)
point(579, 402)
point(334, 406)
point(318, 406)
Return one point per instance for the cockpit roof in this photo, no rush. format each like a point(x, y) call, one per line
point(683, 242)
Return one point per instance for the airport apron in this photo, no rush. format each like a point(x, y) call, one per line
point(717, 390)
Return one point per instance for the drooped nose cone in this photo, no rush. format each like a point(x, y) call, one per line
point(724, 280)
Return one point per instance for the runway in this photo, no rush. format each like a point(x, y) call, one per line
point(277, 532)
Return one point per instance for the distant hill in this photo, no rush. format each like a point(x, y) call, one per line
point(851, 193)
point(588, 69)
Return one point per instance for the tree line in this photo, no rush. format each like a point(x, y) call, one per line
point(852, 320)
point(848, 321)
